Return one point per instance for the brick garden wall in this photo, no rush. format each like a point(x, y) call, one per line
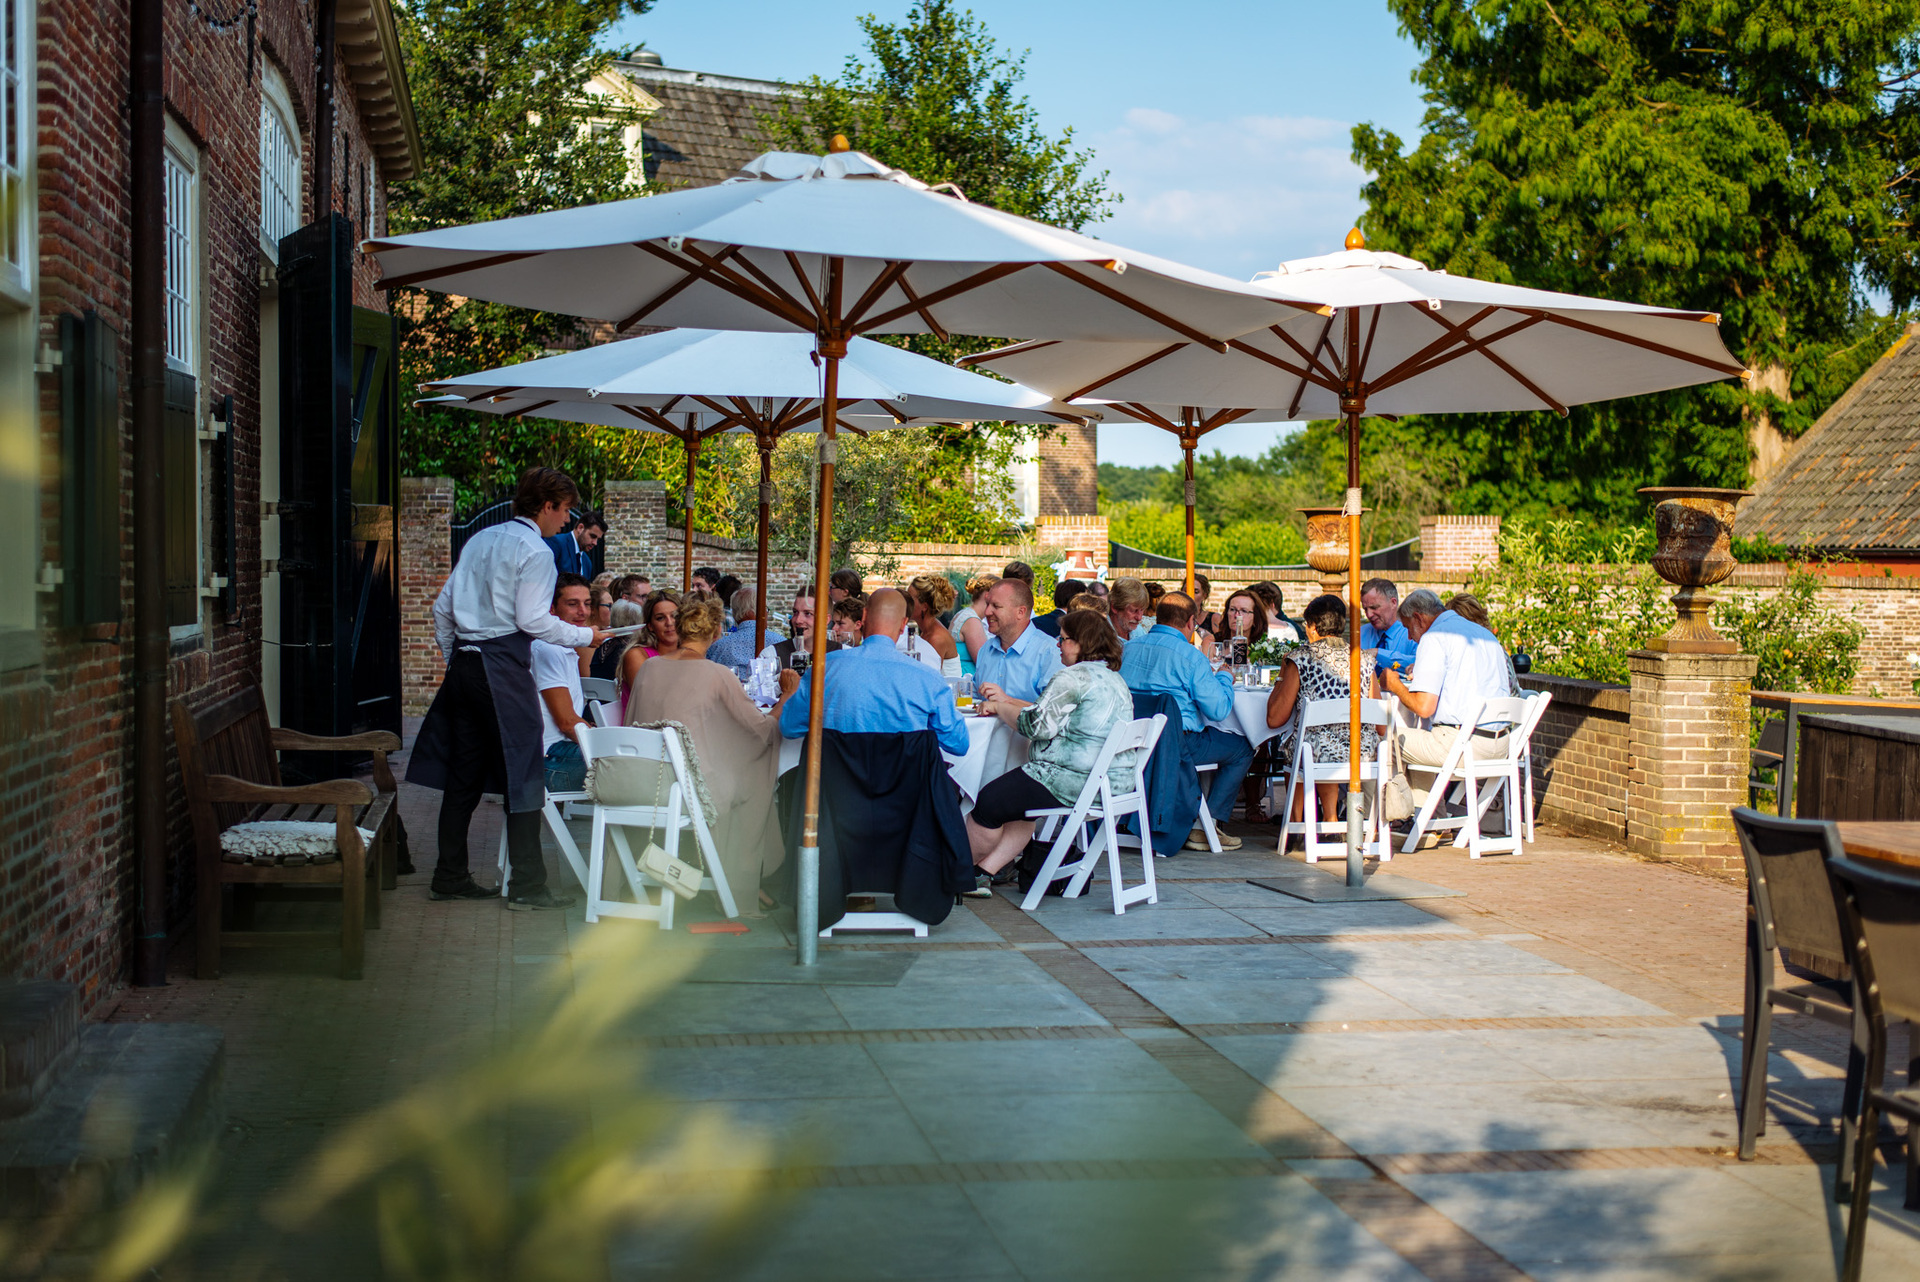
point(66, 722)
point(1581, 757)
point(1069, 472)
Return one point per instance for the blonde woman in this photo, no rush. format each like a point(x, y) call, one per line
point(966, 626)
point(928, 597)
point(738, 746)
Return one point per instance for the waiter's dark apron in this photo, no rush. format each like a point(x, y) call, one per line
point(516, 709)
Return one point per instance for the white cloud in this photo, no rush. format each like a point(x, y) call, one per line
point(1235, 196)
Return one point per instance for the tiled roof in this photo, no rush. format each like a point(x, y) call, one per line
point(707, 125)
point(1853, 481)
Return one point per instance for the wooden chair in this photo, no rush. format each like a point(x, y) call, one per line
point(230, 767)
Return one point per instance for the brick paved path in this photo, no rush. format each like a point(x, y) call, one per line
point(1530, 1080)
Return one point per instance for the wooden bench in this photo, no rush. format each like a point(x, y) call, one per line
point(230, 766)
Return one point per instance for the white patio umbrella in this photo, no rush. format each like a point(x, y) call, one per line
point(694, 384)
point(1401, 339)
point(835, 246)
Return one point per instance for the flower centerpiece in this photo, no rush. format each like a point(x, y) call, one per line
point(1270, 650)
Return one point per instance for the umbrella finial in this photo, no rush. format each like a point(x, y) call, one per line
point(1355, 240)
point(838, 143)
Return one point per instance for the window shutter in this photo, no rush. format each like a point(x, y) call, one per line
point(90, 470)
point(181, 470)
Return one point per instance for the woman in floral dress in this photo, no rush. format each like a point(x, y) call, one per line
point(1318, 670)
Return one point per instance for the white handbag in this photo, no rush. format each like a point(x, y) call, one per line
point(1396, 794)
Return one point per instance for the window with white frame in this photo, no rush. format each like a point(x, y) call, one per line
point(279, 164)
point(373, 201)
point(183, 253)
point(16, 149)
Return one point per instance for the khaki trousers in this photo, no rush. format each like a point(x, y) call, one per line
point(1429, 749)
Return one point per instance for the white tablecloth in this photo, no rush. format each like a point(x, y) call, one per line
point(1249, 717)
point(993, 749)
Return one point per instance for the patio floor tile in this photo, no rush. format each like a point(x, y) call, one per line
point(963, 1005)
point(1195, 1001)
point(1469, 1117)
point(1368, 958)
point(1212, 962)
point(1372, 1059)
point(1158, 922)
point(739, 1008)
point(1106, 1127)
point(1348, 919)
point(920, 1070)
point(1509, 996)
point(764, 1072)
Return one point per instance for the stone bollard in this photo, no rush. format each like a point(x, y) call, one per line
point(1687, 740)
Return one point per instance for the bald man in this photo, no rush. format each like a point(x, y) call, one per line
point(873, 688)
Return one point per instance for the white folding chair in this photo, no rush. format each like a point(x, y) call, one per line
point(1206, 812)
point(1502, 772)
point(597, 714)
point(680, 811)
point(1066, 826)
point(1307, 772)
point(598, 689)
point(1526, 754)
point(550, 811)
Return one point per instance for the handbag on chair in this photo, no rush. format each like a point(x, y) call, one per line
point(1396, 794)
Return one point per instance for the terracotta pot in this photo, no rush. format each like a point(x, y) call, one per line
point(1693, 528)
point(1327, 544)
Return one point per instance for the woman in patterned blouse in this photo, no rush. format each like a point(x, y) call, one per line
point(1069, 727)
point(1318, 670)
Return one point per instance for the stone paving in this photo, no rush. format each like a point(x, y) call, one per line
point(1533, 1079)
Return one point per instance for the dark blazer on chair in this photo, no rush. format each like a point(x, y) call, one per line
point(889, 822)
point(1173, 789)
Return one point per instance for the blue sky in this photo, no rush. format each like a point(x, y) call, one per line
point(1225, 124)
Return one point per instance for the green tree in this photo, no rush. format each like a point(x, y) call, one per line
point(941, 99)
point(1752, 159)
point(498, 91)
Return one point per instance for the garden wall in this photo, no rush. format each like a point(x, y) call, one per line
point(1580, 756)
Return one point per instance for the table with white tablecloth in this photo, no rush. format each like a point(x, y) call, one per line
point(1248, 717)
point(993, 748)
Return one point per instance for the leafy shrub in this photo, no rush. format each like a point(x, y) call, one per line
point(1574, 606)
point(1577, 608)
point(1160, 528)
point(1801, 644)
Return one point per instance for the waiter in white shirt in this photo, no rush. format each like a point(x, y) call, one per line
point(484, 730)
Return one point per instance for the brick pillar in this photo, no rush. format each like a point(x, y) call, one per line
point(637, 532)
point(1069, 472)
point(426, 558)
point(1456, 544)
point(1687, 733)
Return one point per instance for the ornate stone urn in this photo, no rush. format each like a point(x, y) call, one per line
point(1693, 527)
point(1327, 544)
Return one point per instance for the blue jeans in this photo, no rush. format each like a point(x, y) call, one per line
point(1230, 752)
point(567, 769)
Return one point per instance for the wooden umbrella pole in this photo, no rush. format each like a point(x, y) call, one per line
point(1353, 403)
point(764, 436)
point(832, 346)
point(692, 440)
point(1187, 442)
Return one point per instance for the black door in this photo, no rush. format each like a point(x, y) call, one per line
point(340, 624)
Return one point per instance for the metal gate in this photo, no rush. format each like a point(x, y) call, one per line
point(498, 511)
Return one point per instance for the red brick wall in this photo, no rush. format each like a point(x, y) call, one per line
point(1069, 472)
point(426, 510)
point(1581, 757)
point(65, 724)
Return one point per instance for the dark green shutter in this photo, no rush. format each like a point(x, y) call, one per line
point(90, 483)
point(182, 477)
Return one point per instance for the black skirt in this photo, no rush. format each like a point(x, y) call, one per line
point(1010, 797)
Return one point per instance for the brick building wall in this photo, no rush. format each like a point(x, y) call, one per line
point(426, 512)
point(1456, 544)
point(65, 759)
point(1069, 472)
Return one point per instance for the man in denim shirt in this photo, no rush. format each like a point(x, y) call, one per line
point(1164, 660)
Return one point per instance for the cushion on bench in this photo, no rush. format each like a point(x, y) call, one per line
point(283, 841)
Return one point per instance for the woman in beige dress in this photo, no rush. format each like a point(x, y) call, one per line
point(737, 744)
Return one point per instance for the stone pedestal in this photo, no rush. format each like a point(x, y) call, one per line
point(1688, 746)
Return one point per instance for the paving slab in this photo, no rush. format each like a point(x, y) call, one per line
point(1503, 1116)
point(764, 1072)
point(974, 1069)
point(1267, 960)
point(1107, 1126)
point(1509, 996)
point(1333, 889)
point(777, 966)
point(1347, 919)
point(1372, 1059)
point(1623, 1054)
point(1154, 922)
point(1289, 1001)
point(963, 1005)
point(1273, 1227)
point(1466, 957)
point(739, 1008)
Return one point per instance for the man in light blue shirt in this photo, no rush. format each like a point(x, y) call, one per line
point(1383, 631)
point(734, 648)
point(874, 688)
point(1018, 659)
point(1164, 660)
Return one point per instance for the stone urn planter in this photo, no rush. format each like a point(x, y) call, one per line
point(1327, 545)
point(1693, 528)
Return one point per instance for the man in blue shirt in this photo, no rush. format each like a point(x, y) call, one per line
point(874, 688)
point(1018, 659)
point(573, 549)
point(734, 649)
point(1383, 631)
point(1164, 660)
